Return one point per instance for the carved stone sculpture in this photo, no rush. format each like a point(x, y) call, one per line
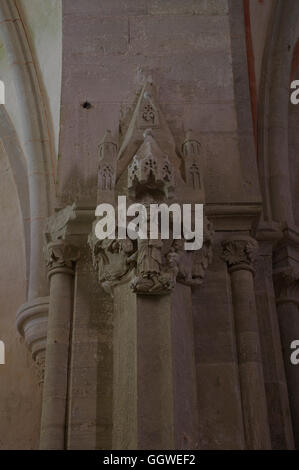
point(58, 224)
point(111, 260)
point(148, 170)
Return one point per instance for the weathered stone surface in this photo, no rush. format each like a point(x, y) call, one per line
point(161, 35)
point(90, 407)
point(220, 414)
point(191, 7)
point(190, 352)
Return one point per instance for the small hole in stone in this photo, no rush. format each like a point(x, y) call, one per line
point(86, 105)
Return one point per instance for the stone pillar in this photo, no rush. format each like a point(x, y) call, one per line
point(61, 258)
point(154, 372)
point(279, 414)
point(286, 281)
point(155, 403)
point(239, 254)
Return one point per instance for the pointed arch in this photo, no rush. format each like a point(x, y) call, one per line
point(36, 141)
point(274, 110)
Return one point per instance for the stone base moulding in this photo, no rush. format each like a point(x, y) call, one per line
point(32, 323)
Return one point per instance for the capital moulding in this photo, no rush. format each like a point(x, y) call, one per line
point(291, 233)
point(239, 252)
point(268, 231)
point(32, 323)
point(233, 217)
point(148, 168)
point(60, 253)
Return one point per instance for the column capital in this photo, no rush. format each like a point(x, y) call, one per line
point(239, 252)
point(60, 253)
point(286, 284)
point(153, 267)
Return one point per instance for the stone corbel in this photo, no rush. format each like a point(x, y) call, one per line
point(32, 322)
point(192, 265)
point(152, 266)
point(61, 255)
point(111, 260)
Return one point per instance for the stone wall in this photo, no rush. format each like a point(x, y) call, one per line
point(20, 395)
point(109, 50)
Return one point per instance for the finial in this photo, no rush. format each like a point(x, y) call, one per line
point(108, 139)
point(148, 132)
point(189, 135)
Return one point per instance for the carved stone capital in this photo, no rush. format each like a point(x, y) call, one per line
point(240, 253)
point(32, 323)
point(153, 276)
point(152, 266)
point(286, 284)
point(60, 254)
point(191, 266)
point(58, 224)
point(111, 260)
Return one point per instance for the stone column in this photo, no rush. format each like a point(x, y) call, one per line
point(286, 281)
point(279, 414)
point(154, 392)
point(154, 371)
point(239, 254)
point(61, 258)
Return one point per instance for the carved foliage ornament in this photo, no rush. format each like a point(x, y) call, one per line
point(60, 254)
point(239, 252)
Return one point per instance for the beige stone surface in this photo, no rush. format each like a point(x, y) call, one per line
point(192, 71)
point(20, 395)
point(147, 346)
